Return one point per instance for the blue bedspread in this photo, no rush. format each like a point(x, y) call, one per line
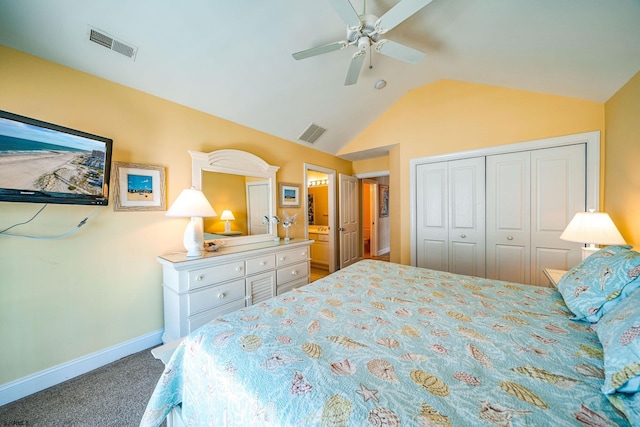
point(385, 345)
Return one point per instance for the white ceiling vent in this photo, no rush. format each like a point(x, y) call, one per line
point(312, 133)
point(105, 40)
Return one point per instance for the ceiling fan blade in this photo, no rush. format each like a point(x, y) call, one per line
point(354, 68)
point(319, 50)
point(399, 13)
point(399, 51)
point(347, 12)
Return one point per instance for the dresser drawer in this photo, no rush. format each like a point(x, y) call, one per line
point(215, 296)
point(200, 319)
point(263, 263)
point(292, 256)
point(293, 272)
point(219, 273)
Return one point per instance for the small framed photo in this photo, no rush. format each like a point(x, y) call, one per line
point(384, 200)
point(138, 187)
point(289, 195)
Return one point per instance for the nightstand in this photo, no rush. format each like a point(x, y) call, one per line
point(554, 276)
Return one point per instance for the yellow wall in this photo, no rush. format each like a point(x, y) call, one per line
point(378, 164)
point(450, 116)
point(63, 299)
point(622, 178)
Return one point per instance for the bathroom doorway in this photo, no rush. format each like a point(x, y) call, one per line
point(320, 202)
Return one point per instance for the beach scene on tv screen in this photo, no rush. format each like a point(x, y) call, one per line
point(39, 159)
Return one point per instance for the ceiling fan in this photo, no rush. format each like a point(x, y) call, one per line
point(364, 32)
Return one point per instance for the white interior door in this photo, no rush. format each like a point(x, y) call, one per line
point(349, 229)
point(451, 215)
point(508, 217)
point(257, 206)
point(466, 188)
point(557, 193)
point(432, 216)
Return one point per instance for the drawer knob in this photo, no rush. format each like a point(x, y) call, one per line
point(510, 238)
point(294, 273)
point(221, 296)
point(464, 236)
point(282, 258)
point(263, 263)
point(199, 278)
point(238, 268)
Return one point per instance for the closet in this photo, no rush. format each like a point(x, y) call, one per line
point(451, 216)
point(531, 197)
point(498, 213)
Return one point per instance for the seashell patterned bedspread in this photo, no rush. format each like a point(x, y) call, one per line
point(381, 344)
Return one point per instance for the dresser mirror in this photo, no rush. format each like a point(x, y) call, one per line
point(242, 183)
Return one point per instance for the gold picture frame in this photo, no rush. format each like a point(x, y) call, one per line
point(138, 187)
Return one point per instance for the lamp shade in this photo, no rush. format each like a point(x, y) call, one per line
point(227, 215)
point(593, 228)
point(191, 203)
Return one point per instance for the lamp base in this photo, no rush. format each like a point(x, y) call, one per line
point(588, 250)
point(193, 239)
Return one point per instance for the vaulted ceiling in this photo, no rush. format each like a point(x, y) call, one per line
point(233, 59)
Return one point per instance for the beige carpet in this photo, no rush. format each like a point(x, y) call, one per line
point(114, 395)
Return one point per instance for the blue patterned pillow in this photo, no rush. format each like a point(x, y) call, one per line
point(619, 333)
point(601, 281)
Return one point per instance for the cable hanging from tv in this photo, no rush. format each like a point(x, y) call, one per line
point(55, 237)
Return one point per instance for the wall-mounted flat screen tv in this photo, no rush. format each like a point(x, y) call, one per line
point(45, 163)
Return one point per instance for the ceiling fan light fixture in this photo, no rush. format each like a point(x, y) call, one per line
point(364, 43)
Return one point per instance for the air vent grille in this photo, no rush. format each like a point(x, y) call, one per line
point(105, 40)
point(312, 133)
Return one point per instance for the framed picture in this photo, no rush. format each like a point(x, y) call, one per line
point(289, 195)
point(384, 200)
point(138, 187)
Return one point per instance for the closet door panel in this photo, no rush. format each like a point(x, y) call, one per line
point(510, 263)
point(558, 178)
point(432, 216)
point(467, 216)
point(508, 216)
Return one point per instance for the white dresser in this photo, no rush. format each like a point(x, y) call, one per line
point(198, 290)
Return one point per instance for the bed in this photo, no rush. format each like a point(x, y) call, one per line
point(384, 344)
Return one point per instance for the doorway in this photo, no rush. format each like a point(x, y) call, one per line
point(369, 218)
point(320, 203)
point(376, 235)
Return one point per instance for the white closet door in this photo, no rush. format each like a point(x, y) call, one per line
point(558, 192)
point(467, 216)
point(432, 231)
point(508, 217)
point(450, 216)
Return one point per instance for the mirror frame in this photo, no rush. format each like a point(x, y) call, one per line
point(237, 162)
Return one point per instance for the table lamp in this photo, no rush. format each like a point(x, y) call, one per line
point(593, 228)
point(192, 203)
point(227, 216)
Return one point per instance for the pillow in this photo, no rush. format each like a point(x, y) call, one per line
point(601, 281)
point(619, 333)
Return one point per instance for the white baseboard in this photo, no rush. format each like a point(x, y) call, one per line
point(25, 386)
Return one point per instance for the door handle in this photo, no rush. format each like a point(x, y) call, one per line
point(342, 229)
